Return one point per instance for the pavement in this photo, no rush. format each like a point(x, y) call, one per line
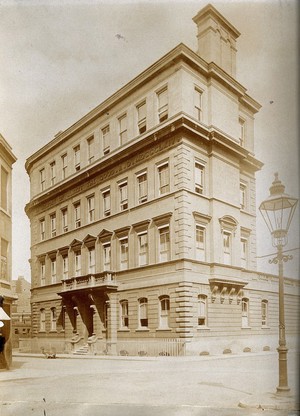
point(182, 386)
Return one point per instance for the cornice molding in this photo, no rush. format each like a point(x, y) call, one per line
point(179, 53)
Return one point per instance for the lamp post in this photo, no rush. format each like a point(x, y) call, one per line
point(277, 211)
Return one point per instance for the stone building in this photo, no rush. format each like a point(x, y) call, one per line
point(143, 215)
point(7, 159)
point(21, 310)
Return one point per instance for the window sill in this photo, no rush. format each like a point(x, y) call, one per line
point(203, 328)
point(123, 330)
point(142, 330)
point(265, 327)
point(246, 327)
point(53, 331)
point(163, 329)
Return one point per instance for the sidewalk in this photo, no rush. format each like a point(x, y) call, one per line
point(192, 382)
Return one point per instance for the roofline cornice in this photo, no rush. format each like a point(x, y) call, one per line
point(180, 52)
point(6, 150)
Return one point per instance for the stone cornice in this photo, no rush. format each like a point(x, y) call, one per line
point(157, 141)
point(6, 151)
point(179, 53)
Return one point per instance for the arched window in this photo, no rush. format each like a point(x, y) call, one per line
point(202, 310)
point(143, 312)
point(245, 312)
point(42, 320)
point(264, 312)
point(124, 320)
point(53, 319)
point(164, 311)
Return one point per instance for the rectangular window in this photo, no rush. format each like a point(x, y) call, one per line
point(106, 202)
point(53, 224)
point(77, 259)
point(141, 111)
point(42, 229)
point(64, 162)
point(143, 248)
point(43, 273)
point(77, 215)
point(91, 260)
point(52, 173)
point(106, 257)
point(199, 178)
point(53, 270)
point(243, 196)
point(42, 180)
point(124, 253)
point(142, 187)
point(242, 132)
point(164, 243)
point(106, 139)
point(65, 267)
point(163, 178)
point(200, 243)
point(91, 149)
point(91, 208)
point(227, 247)
point(162, 97)
point(4, 256)
point(244, 252)
point(123, 129)
point(77, 157)
point(198, 103)
point(64, 219)
point(123, 194)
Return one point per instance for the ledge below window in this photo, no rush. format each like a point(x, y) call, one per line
point(203, 328)
point(123, 330)
point(163, 329)
point(142, 330)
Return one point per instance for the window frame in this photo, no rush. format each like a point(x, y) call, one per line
point(143, 313)
point(77, 157)
point(198, 94)
point(123, 202)
point(52, 173)
point(163, 104)
point(124, 314)
point(77, 214)
point(142, 117)
point(164, 313)
point(142, 187)
point(164, 255)
point(123, 129)
point(199, 171)
point(163, 188)
point(105, 131)
point(90, 208)
point(53, 224)
point(91, 148)
point(202, 315)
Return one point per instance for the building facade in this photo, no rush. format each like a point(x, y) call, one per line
point(7, 159)
point(20, 310)
point(143, 215)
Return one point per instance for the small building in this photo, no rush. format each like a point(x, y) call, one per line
point(21, 310)
point(7, 159)
point(143, 216)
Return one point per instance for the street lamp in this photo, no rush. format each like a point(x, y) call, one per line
point(277, 211)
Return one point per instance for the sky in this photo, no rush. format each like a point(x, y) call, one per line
point(60, 59)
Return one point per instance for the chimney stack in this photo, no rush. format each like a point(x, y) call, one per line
point(216, 39)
